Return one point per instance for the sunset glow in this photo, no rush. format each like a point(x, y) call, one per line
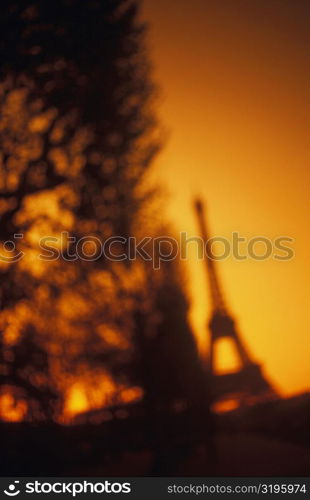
point(234, 80)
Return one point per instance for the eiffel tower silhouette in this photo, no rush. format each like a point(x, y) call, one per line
point(247, 385)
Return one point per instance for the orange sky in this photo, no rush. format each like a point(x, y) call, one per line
point(235, 86)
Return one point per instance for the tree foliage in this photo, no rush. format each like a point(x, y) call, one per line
point(77, 138)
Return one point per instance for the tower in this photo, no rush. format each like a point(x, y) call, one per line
point(247, 384)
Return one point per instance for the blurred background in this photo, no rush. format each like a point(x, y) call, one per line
point(115, 116)
point(235, 100)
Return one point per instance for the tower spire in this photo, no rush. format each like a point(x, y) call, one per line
point(217, 298)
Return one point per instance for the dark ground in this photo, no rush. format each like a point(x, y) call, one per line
point(266, 440)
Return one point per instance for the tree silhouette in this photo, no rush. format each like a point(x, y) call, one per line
point(166, 364)
point(76, 141)
point(77, 136)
